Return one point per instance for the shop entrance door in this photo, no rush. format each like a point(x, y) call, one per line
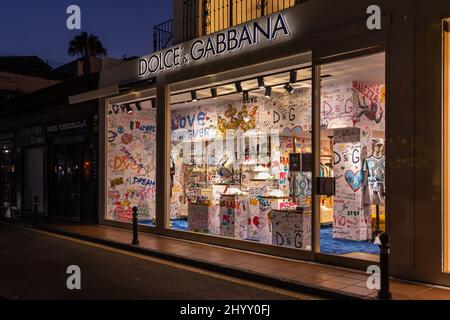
point(66, 170)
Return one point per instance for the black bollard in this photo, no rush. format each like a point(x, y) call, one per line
point(36, 208)
point(385, 250)
point(135, 227)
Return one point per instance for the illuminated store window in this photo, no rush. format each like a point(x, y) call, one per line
point(353, 110)
point(241, 161)
point(131, 160)
point(446, 146)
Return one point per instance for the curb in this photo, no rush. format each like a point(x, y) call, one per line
point(222, 269)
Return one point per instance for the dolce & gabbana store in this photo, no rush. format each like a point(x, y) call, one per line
point(298, 135)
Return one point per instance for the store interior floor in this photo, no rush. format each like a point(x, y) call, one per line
point(356, 249)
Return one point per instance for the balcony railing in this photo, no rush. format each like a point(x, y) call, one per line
point(162, 35)
point(223, 14)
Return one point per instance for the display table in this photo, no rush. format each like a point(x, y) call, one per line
point(234, 215)
point(291, 228)
point(203, 218)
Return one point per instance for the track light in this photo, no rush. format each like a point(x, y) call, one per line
point(129, 110)
point(214, 93)
point(194, 96)
point(138, 106)
point(261, 83)
point(289, 88)
point(245, 97)
point(238, 86)
point(154, 103)
point(268, 92)
point(293, 76)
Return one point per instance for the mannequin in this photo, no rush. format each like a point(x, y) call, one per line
point(373, 168)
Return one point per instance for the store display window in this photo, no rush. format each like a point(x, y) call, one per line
point(241, 158)
point(446, 115)
point(131, 160)
point(353, 111)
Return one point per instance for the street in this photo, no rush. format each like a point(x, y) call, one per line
point(34, 264)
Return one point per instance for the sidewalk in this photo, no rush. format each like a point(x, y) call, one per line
point(331, 282)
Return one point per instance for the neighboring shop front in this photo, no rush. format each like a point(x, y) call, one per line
point(72, 159)
point(291, 135)
point(7, 173)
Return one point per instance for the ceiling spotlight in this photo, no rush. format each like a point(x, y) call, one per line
point(293, 76)
point(238, 86)
point(245, 97)
point(154, 103)
point(138, 106)
point(214, 93)
point(289, 88)
point(129, 110)
point(194, 96)
point(268, 92)
point(261, 83)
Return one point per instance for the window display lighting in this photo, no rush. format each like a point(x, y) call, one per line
point(129, 109)
point(194, 96)
point(238, 86)
point(214, 93)
point(289, 88)
point(261, 83)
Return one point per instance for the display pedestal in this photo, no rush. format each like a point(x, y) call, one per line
point(291, 229)
point(203, 218)
point(351, 222)
point(234, 215)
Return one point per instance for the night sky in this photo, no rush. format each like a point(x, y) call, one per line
point(30, 27)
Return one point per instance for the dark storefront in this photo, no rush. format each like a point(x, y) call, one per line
point(7, 172)
point(55, 154)
point(72, 178)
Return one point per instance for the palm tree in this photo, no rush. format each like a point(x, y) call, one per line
point(86, 46)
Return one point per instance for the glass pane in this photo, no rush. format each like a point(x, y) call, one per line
point(131, 156)
point(352, 154)
point(241, 161)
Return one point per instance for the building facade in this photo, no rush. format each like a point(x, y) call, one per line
point(49, 153)
point(299, 134)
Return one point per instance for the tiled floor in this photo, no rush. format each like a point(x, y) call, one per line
point(308, 274)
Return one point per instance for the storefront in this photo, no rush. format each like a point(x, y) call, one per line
point(298, 135)
point(52, 154)
point(72, 169)
point(7, 173)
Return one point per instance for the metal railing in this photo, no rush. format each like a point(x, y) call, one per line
point(221, 14)
point(202, 17)
point(163, 35)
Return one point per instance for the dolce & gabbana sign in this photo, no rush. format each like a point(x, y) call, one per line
point(267, 29)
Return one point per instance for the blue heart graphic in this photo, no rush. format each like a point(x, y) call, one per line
point(354, 180)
